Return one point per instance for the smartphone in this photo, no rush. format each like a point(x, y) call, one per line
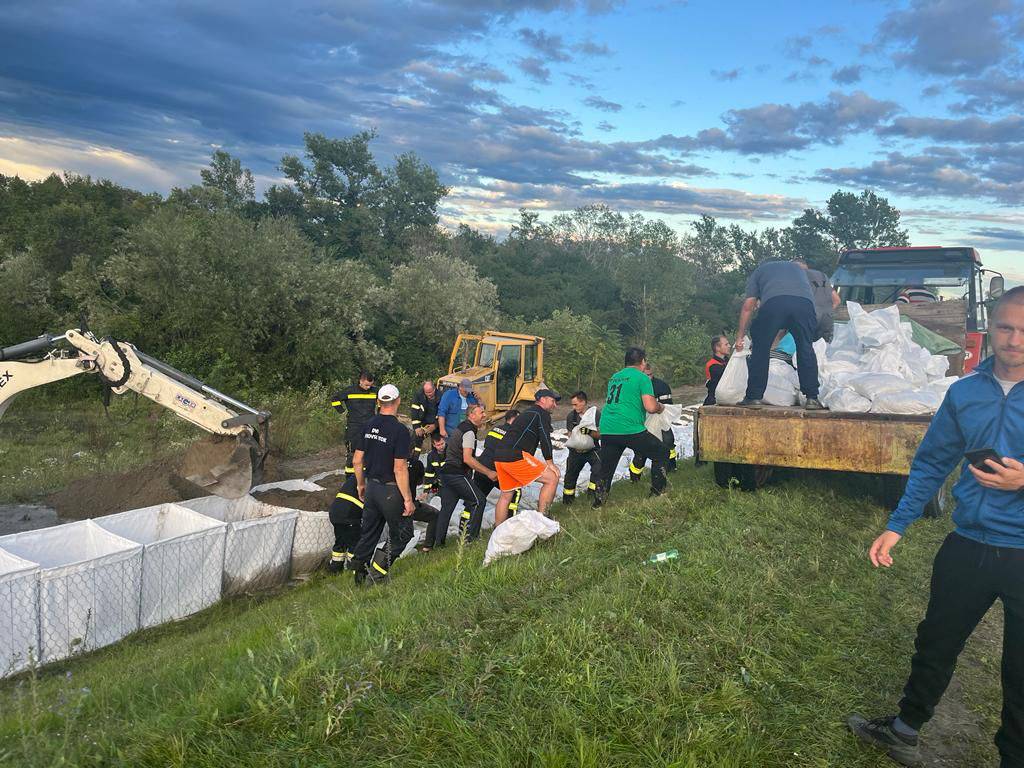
point(977, 459)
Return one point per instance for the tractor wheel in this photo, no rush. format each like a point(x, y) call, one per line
point(724, 473)
point(753, 476)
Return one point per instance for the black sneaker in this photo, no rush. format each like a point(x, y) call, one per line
point(568, 500)
point(335, 566)
point(598, 501)
point(748, 402)
point(814, 404)
point(879, 733)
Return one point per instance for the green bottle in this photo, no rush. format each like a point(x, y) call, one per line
point(661, 557)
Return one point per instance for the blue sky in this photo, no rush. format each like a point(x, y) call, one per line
point(747, 111)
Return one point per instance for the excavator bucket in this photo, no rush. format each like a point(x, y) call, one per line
point(224, 465)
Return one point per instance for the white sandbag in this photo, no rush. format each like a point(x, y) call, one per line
point(871, 385)
point(941, 386)
point(907, 401)
point(937, 366)
point(19, 613)
point(845, 400)
point(581, 442)
point(732, 387)
point(783, 384)
point(656, 423)
point(877, 328)
point(305, 486)
point(517, 534)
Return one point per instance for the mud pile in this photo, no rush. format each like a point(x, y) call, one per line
point(320, 501)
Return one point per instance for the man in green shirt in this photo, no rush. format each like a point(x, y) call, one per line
point(630, 399)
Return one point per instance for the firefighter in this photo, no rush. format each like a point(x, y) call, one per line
point(345, 515)
point(361, 402)
point(491, 442)
point(577, 460)
point(435, 460)
point(663, 394)
point(715, 366)
point(424, 415)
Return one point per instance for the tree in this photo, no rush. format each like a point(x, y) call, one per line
point(578, 353)
point(226, 186)
point(849, 221)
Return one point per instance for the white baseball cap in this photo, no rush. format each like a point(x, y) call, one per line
point(387, 393)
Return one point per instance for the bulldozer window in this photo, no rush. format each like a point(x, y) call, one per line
point(530, 363)
point(508, 372)
point(486, 355)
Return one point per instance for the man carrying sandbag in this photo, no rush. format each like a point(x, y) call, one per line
point(587, 448)
point(781, 293)
point(630, 398)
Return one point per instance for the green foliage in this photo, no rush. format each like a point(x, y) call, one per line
point(679, 354)
point(248, 306)
point(578, 353)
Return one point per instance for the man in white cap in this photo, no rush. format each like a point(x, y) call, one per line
point(382, 482)
point(451, 411)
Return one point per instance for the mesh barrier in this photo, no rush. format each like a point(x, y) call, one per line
point(182, 559)
point(314, 538)
point(90, 586)
point(19, 613)
point(258, 550)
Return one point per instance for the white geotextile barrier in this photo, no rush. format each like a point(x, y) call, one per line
point(682, 432)
point(314, 538)
point(19, 613)
point(258, 551)
point(182, 559)
point(90, 585)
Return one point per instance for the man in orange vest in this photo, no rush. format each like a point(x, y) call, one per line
point(715, 366)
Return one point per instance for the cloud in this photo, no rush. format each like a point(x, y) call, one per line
point(727, 75)
point(604, 125)
point(1000, 238)
point(997, 89)
point(848, 75)
point(797, 46)
point(548, 47)
point(777, 128)
point(970, 130)
point(590, 48)
point(990, 173)
point(596, 102)
point(949, 37)
point(534, 68)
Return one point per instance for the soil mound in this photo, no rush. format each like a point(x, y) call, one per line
point(319, 501)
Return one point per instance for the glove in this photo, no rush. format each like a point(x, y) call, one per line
point(584, 430)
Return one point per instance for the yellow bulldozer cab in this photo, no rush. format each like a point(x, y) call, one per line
point(505, 368)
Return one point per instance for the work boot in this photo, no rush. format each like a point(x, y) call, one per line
point(568, 499)
point(598, 502)
point(750, 402)
point(880, 733)
point(814, 404)
point(655, 494)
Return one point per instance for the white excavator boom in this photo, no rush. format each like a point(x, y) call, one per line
point(224, 467)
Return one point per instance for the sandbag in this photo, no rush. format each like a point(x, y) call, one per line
point(581, 442)
point(871, 385)
point(874, 329)
point(732, 387)
point(783, 384)
point(845, 400)
point(656, 423)
point(907, 401)
point(518, 534)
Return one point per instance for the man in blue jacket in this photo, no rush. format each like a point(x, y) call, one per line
point(451, 411)
point(983, 559)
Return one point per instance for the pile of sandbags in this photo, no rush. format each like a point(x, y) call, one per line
point(873, 365)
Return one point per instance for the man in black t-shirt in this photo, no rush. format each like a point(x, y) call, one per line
point(382, 480)
point(514, 459)
point(491, 442)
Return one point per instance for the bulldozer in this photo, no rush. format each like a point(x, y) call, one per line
point(228, 464)
point(506, 369)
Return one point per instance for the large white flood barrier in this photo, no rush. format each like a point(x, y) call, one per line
point(182, 559)
point(258, 551)
point(19, 613)
point(90, 585)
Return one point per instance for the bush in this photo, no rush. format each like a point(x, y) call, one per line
point(680, 353)
point(579, 353)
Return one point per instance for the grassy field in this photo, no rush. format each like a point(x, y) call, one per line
point(747, 651)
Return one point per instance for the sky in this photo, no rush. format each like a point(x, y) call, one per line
point(750, 112)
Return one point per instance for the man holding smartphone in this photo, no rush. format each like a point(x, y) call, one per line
point(983, 559)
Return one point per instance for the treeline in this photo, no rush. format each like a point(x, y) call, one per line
point(345, 266)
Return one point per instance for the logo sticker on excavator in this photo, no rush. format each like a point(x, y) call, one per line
point(4, 378)
point(181, 399)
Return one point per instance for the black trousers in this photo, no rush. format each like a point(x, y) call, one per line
point(453, 488)
point(486, 485)
point(668, 439)
point(642, 444)
point(382, 505)
point(346, 515)
point(576, 461)
point(426, 514)
point(793, 314)
point(967, 578)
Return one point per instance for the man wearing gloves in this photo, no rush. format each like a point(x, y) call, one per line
point(577, 460)
point(983, 559)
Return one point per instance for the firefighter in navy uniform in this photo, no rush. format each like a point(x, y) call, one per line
point(360, 400)
point(435, 460)
point(577, 460)
point(424, 415)
point(663, 394)
point(491, 442)
point(345, 515)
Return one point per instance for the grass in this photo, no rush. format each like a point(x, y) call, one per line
point(749, 650)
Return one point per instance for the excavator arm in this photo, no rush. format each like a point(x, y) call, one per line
point(225, 466)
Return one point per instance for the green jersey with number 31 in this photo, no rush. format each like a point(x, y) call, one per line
point(624, 412)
